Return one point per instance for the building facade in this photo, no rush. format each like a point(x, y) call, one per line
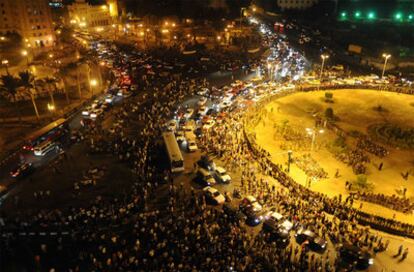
point(296, 4)
point(83, 14)
point(31, 19)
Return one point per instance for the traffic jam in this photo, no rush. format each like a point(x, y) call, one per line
point(198, 116)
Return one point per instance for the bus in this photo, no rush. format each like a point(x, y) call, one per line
point(51, 132)
point(174, 152)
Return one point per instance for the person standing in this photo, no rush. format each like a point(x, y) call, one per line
point(399, 251)
point(404, 255)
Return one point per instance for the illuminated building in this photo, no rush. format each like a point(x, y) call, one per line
point(31, 19)
point(83, 14)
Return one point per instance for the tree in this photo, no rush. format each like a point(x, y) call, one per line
point(63, 71)
point(50, 82)
point(9, 88)
point(27, 80)
point(361, 183)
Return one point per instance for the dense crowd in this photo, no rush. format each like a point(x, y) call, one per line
point(371, 147)
point(394, 202)
point(180, 232)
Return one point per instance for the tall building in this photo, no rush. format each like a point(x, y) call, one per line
point(31, 19)
point(296, 4)
point(85, 15)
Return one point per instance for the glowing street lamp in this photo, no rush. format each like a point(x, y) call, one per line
point(324, 57)
point(343, 15)
point(386, 57)
point(357, 14)
point(312, 132)
point(93, 82)
point(51, 107)
point(241, 16)
point(26, 54)
point(6, 65)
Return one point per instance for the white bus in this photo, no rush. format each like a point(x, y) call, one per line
point(174, 152)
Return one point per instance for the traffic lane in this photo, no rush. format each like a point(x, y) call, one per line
point(8, 183)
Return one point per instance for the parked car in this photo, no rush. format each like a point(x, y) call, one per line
point(253, 217)
point(315, 242)
point(204, 177)
point(202, 101)
point(233, 213)
point(191, 146)
point(179, 136)
point(213, 195)
point(188, 113)
point(206, 163)
point(202, 91)
point(22, 170)
point(351, 255)
point(221, 175)
point(250, 202)
point(172, 125)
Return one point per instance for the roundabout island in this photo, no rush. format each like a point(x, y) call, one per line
point(342, 143)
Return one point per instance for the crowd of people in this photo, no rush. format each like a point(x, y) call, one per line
point(394, 202)
point(366, 144)
point(158, 225)
point(310, 166)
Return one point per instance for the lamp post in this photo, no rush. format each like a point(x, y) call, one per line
point(51, 107)
point(93, 83)
point(241, 17)
point(289, 159)
point(6, 65)
point(26, 54)
point(324, 57)
point(101, 64)
point(386, 57)
point(312, 132)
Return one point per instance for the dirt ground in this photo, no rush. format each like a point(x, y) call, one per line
point(355, 112)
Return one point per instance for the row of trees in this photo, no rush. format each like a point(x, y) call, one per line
point(12, 87)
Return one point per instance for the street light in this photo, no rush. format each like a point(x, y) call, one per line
point(6, 65)
point(241, 16)
point(50, 107)
point(386, 57)
point(312, 132)
point(26, 54)
point(324, 57)
point(93, 82)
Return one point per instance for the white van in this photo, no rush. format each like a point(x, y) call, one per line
point(44, 148)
